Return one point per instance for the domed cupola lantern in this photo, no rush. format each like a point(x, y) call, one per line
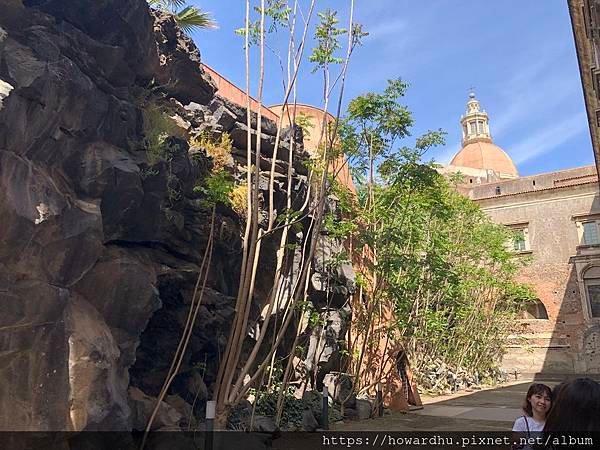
point(475, 123)
point(478, 151)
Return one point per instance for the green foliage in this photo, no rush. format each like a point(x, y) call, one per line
point(305, 122)
point(158, 128)
point(441, 264)
point(218, 148)
point(314, 318)
point(338, 228)
point(291, 417)
point(288, 216)
point(277, 14)
point(373, 124)
point(447, 270)
point(217, 189)
point(188, 18)
point(173, 188)
point(358, 33)
point(326, 35)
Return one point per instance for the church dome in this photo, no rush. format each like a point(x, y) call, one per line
point(478, 150)
point(487, 156)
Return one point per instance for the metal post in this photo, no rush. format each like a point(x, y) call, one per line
point(379, 400)
point(325, 412)
point(209, 424)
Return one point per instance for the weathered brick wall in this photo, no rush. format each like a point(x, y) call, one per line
point(565, 342)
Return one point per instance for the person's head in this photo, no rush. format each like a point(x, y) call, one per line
point(538, 399)
point(575, 408)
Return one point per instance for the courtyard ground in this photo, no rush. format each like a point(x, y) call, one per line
point(493, 409)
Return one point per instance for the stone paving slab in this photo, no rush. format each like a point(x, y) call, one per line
point(490, 409)
point(417, 422)
point(473, 413)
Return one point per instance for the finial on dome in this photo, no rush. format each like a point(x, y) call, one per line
point(472, 92)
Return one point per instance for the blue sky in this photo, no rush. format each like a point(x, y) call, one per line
point(519, 55)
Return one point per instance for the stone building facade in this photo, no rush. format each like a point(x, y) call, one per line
point(556, 217)
point(585, 19)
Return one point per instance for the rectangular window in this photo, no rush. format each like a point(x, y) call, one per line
point(519, 244)
point(590, 233)
point(594, 297)
point(473, 127)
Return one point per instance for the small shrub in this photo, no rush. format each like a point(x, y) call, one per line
point(218, 149)
point(158, 128)
point(305, 122)
point(291, 417)
point(217, 189)
point(238, 199)
point(173, 188)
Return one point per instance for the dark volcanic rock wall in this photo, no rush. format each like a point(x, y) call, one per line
point(85, 242)
point(98, 257)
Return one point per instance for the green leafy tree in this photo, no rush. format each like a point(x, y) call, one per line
point(236, 376)
point(431, 259)
point(276, 12)
point(326, 35)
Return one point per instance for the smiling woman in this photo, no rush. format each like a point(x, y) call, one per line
point(535, 407)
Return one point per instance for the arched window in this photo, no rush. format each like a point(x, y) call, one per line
point(498, 191)
point(473, 126)
point(535, 310)
point(591, 282)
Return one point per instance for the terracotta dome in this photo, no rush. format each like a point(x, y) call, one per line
point(485, 155)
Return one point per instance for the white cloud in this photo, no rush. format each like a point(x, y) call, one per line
point(532, 104)
point(532, 92)
point(548, 138)
point(383, 29)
